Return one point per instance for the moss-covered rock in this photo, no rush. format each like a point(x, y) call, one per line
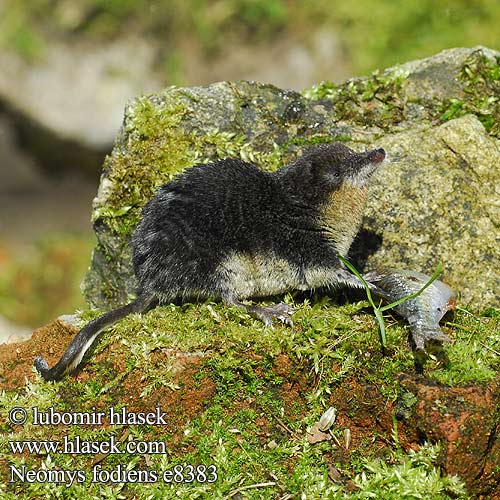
point(435, 202)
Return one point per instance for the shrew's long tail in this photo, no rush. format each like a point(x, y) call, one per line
point(73, 356)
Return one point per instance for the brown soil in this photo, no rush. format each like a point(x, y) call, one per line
point(16, 360)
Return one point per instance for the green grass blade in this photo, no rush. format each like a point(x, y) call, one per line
point(376, 309)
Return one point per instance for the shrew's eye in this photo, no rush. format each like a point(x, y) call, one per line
point(333, 176)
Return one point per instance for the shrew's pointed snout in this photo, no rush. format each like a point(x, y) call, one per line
point(377, 155)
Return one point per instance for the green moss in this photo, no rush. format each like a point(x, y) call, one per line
point(380, 100)
point(326, 339)
point(412, 476)
point(376, 101)
point(474, 356)
point(481, 78)
point(139, 168)
point(317, 139)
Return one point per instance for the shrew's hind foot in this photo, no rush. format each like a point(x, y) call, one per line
point(266, 314)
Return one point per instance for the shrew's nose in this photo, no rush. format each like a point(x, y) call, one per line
point(377, 155)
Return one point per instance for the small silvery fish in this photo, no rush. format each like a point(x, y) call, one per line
point(424, 312)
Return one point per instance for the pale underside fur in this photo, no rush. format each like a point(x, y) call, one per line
point(246, 276)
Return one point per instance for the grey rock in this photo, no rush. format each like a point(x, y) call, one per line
point(73, 320)
point(436, 201)
point(439, 202)
point(67, 107)
point(11, 333)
